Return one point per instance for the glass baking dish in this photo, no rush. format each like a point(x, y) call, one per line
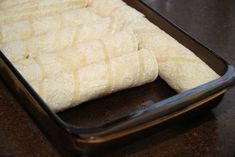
point(105, 122)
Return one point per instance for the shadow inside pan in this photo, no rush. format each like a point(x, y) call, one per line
point(97, 112)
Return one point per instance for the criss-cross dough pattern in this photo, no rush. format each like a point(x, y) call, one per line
point(72, 51)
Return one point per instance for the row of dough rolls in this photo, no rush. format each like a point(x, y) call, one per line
point(178, 66)
point(55, 40)
point(89, 49)
point(33, 26)
point(36, 8)
point(68, 88)
point(30, 27)
point(89, 69)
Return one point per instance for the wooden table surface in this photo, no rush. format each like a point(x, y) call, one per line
point(212, 22)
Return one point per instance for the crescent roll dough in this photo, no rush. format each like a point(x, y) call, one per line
point(94, 51)
point(4, 4)
point(55, 40)
point(37, 8)
point(20, 49)
point(143, 69)
point(124, 15)
point(140, 25)
point(105, 7)
point(30, 69)
point(68, 89)
point(80, 55)
point(41, 25)
point(72, 51)
point(178, 66)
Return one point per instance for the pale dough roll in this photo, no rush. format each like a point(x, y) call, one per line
point(44, 5)
point(49, 64)
point(38, 8)
point(93, 51)
point(14, 51)
point(4, 4)
point(29, 69)
point(140, 25)
point(37, 26)
point(55, 40)
point(133, 69)
point(46, 65)
point(41, 25)
point(39, 68)
point(93, 82)
point(28, 28)
point(68, 89)
point(35, 85)
point(83, 54)
point(105, 7)
point(120, 43)
point(148, 72)
point(79, 16)
point(189, 73)
point(96, 30)
point(44, 43)
point(58, 90)
point(129, 70)
point(125, 15)
point(178, 66)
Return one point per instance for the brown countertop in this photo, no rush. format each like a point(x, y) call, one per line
point(212, 22)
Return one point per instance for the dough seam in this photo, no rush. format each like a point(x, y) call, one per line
point(6, 19)
point(32, 32)
point(41, 87)
point(61, 20)
point(141, 66)
point(76, 91)
point(177, 59)
point(75, 38)
point(109, 68)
